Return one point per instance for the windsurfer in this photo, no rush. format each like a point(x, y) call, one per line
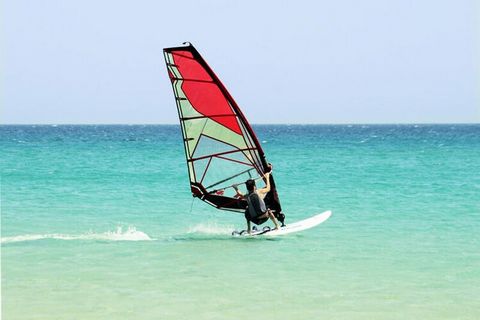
point(256, 211)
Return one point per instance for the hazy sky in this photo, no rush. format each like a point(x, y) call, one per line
point(283, 61)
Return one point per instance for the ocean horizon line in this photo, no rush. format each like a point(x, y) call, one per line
point(255, 124)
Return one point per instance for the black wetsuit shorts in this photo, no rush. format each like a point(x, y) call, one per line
point(256, 220)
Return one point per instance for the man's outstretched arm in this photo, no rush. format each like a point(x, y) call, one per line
point(239, 193)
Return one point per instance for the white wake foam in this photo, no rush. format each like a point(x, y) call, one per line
point(131, 234)
point(211, 228)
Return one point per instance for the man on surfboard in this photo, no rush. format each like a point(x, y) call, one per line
point(256, 211)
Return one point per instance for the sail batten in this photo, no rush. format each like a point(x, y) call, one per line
point(195, 80)
point(212, 116)
point(220, 146)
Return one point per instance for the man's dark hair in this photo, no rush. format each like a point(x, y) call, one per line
point(250, 185)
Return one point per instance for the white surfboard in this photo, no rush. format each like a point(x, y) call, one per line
point(289, 228)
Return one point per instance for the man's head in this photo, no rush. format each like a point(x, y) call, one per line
point(250, 185)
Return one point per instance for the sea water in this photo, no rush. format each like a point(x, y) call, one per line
point(98, 222)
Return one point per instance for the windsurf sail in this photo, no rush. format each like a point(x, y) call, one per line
point(221, 149)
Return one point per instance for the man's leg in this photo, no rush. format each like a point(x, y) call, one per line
point(272, 217)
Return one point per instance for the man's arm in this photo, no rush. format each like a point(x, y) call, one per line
point(239, 193)
point(267, 188)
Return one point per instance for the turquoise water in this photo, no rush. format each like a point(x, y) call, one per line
point(98, 223)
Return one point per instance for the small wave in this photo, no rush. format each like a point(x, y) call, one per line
point(131, 234)
point(211, 228)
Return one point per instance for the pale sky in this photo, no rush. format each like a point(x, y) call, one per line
point(395, 61)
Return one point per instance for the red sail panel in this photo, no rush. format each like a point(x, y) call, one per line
point(204, 95)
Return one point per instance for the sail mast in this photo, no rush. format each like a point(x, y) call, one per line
point(233, 103)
